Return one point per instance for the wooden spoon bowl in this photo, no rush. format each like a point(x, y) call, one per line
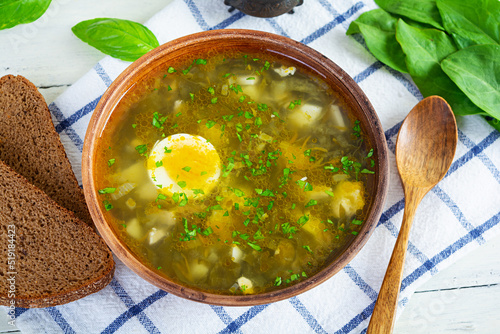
point(246, 41)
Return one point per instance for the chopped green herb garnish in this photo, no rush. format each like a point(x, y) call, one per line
point(307, 248)
point(302, 220)
point(332, 168)
point(181, 184)
point(210, 124)
point(159, 163)
point(277, 281)
point(167, 150)
point(357, 129)
point(111, 162)
point(262, 107)
point(141, 149)
point(254, 246)
point(187, 168)
point(329, 193)
point(311, 203)
point(357, 222)
point(108, 206)
point(107, 191)
point(161, 196)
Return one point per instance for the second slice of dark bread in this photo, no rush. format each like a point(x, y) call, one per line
point(30, 145)
point(50, 257)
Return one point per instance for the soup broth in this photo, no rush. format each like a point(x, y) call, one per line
point(234, 173)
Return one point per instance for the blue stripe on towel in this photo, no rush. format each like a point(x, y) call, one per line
point(127, 300)
point(474, 151)
point(196, 14)
point(306, 315)
point(244, 318)
point(103, 75)
point(88, 108)
point(368, 71)
point(20, 310)
point(277, 27)
point(483, 157)
point(223, 315)
point(133, 311)
point(329, 26)
point(75, 138)
point(356, 278)
point(227, 22)
point(59, 319)
point(363, 315)
point(456, 211)
point(407, 83)
point(453, 248)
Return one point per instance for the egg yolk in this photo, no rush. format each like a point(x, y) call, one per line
point(183, 163)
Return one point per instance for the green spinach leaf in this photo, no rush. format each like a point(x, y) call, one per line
point(14, 12)
point(122, 39)
point(476, 71)
point(424, 49)
point(379, 30)
point(471, 22)
point(424, 11)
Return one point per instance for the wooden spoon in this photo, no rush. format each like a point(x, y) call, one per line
point(424, 151)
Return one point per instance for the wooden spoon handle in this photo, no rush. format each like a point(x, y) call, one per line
point(384, 313)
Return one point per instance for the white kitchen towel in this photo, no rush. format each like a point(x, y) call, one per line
point(461, 213)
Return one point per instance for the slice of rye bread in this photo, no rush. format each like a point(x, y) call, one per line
point(30, 145)
point(56, 259)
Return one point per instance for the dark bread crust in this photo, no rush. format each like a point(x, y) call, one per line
point(58, 258)
point(30, 145)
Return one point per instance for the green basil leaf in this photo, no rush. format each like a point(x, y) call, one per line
point(476, 71)
point(425, 49)
point(379, 30)
point(424, 11)
point(122, 39)
point(471, 22)
point(14, 12)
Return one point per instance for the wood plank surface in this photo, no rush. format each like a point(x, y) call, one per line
point(462, 298)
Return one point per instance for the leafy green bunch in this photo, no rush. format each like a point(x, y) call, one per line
point(449, 47)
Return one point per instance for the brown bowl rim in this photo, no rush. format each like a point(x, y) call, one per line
point(322, 65)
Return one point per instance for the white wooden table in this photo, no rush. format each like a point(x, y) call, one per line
point(463, 298)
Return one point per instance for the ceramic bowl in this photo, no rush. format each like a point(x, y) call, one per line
point(247, 41)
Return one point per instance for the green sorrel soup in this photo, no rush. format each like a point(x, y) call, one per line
point(235, 173)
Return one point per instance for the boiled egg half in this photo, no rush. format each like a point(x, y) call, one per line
point(183, 163)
